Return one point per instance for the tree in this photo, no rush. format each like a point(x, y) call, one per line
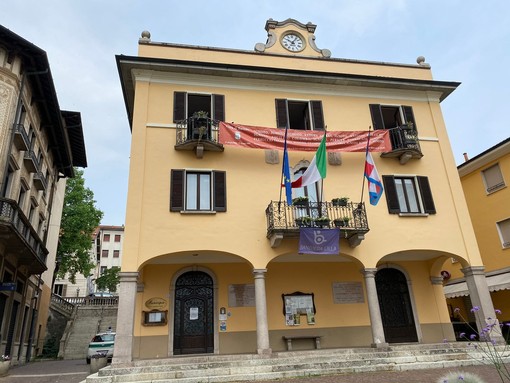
point(80, 218)
point(109, 279)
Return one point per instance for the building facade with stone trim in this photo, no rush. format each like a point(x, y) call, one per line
point(40, 145)
point(211, 260)
point(105, 253)
point(484, 181)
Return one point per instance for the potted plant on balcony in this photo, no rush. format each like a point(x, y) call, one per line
point(304, 221)
point(342, 222)
point(5, 363)
point(300, 201)
point(321, 221)
point(340, 201)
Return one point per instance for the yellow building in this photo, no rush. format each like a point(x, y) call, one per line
point(210, 259)
point(484, 178)
point(39, 145)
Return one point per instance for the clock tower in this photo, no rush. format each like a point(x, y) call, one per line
point(291, 37)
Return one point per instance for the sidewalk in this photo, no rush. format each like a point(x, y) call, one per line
point(75, 371)
point(48, 371)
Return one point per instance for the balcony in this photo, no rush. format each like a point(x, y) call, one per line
point(284, 221)
point(404, 143)
point(20, 137)
point(198, 134)
point(20, 239)
point(40, 181)
point(30, 161)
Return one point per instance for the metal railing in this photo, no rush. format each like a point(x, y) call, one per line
point(282, 217)
point(404, 137)
point(197, 129)
point(12, 215)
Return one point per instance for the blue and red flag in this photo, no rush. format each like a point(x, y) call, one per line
point(375, 188)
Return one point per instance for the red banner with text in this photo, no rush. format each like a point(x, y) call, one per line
point(256, 137)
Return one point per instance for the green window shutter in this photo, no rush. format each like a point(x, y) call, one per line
point(218, 107)
point(220, 191)
point(426, 195)
point(282, 118)
point(317, 115)
point(409, 115)
point(391, 194)
point(177, 190)
point(179, 106)
point(377, 118)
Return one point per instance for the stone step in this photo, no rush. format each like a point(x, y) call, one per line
point(231, 368)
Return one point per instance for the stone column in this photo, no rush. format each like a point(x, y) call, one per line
point(482, 301)
point(123, 351)
point(374, 310)
point(261, 312)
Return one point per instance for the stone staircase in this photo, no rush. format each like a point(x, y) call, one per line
point(237, 368)
point(87, 321)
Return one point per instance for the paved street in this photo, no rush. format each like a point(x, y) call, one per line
point(75, 371)
point(52, 371)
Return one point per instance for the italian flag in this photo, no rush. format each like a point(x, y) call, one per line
point(317, 168)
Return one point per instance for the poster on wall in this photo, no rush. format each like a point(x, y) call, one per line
point(297, 304)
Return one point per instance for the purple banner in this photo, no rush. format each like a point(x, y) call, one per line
point(319, 241)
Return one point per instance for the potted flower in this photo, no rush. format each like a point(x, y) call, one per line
point(300, 201)
point(5, 363)
point(98, 361)
point(304, 221)
point(342, 222)
point(322, 221)
point(340, 201)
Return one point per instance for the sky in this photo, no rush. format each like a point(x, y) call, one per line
point(464, 41)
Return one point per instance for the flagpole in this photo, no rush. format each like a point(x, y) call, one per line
point(364, 162)
point(284, 163)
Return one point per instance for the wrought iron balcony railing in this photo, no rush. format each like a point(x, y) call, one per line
point(20, 137)
point(40, 181)
point(404, 143)
point(20, 238)
point(284, 221)
point(30, 161)
point(198, 132)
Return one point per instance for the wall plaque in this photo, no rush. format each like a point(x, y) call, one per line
point(348, 292)
point(241, 295)
point(156, 304)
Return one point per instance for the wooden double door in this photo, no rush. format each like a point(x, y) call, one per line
point(193, 315)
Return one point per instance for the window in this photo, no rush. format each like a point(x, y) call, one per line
point(493, 179)
point(106, 238)
point(116, 253)
point(104, 253)
point(117, 237)
point(185, 104)
point(103, 269)
point(22, 196)
point(408, 195)
point(198, 191)
point(299, 115)
point(59, 289)
point(504, 232)
point(395, 116)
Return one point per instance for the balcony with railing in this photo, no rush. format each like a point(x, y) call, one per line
point(30, 161)
point(21, 137)
point(198, 134)
point(404, 143)
point(40, 181)
point(19, 237)
point(284, 221)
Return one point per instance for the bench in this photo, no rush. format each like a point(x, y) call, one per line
point(290, 338)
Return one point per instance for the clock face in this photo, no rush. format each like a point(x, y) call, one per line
point(293, 42)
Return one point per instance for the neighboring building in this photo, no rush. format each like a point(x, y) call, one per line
point(211, 261)
point(39, 146)
point(484, 179)
point(105, 253)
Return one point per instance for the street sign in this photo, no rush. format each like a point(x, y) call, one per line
point(7, 286)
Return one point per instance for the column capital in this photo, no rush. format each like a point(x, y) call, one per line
point(259, 273)
point(473, 270)
point(369, 272)
point(436, 280)
point(128, 276)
